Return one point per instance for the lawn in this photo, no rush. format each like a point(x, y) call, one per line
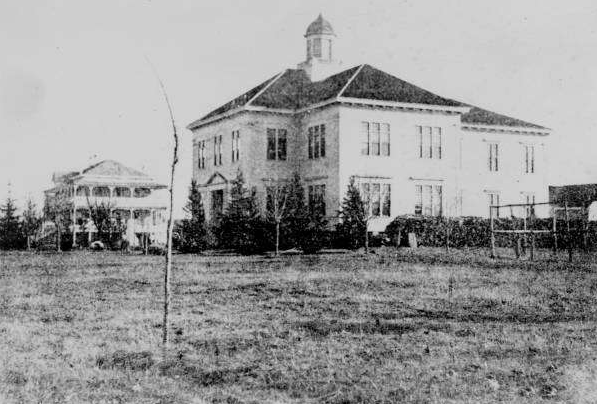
point(391, 327)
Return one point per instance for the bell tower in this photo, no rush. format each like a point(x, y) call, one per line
point(320, 62)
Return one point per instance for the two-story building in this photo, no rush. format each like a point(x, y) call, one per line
point(409, 150)
point(131, 196)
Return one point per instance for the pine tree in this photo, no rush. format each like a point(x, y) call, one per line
point(31, 222)
point(297, 214)
point(10, 229)
point(241, 225)
point(353, 225)
point(193, 230)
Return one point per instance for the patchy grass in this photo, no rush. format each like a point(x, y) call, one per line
point(395, 326)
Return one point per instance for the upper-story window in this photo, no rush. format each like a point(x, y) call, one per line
point(375, 139)
point(142, 192)
point(376, 198)
point(316, 141)
point(122, 192)
point(493, 157)
point(235, 145)
point(529, 159)
point(201, 154)
point(276, 144)
point(101, 191)
point(428, 200)
point(317, 199)
point(218, 150)
point(429, 142)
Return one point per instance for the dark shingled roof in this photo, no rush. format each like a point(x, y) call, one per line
point(240, 100)
point(373, 84)
point(479, 116)
point(293, 90)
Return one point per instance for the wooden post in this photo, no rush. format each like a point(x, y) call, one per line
point(493, 255)
point(531, 225)
point(517, 246)
point(568, 238)
point(555, 233)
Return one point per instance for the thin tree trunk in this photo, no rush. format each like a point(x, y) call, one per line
point(277, 238)
point(58, 239)
point(168, 266)
point(366, 239)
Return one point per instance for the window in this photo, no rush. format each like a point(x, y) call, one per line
point(428, 200)
point(375, 139)
point(101, 191)
point(376, 198)
point(201, 154)
point(217, 202)
point(317, 47)
point(493, 200)
point(235, 145)
point(529, 159)
point(316, 141)
point(276, 144)
point(385, 139)
point(429, 142)
point(142, 192)
point(122, 192)
point(218, 150)
point(493, 157)
point(317, 199)
point(529, 198)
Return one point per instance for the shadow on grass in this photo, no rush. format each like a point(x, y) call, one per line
point(182, 367)
point(325, 328)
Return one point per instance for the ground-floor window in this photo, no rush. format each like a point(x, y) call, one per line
point(494, 200)
point(428, 200)
point(217, 202)
point(377, 198)
point(529, 198)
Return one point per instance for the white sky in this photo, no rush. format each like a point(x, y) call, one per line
point(75, 87)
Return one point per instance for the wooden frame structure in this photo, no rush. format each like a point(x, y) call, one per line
point(528, 222)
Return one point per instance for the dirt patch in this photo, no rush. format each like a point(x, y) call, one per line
point(126, 360)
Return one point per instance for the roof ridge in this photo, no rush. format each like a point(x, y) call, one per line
point(265, 87)
point(350, 80)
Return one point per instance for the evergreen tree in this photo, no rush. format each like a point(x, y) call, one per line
point(241, 226)
point(297, 213)
point(31, 222)
point(57, 209)
point(193, 231)
point(11, 237)
point(353, 225)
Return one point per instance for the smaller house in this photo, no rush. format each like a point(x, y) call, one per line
point(584, 195)
point(134, 199)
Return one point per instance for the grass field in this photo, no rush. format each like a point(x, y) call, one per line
point(390, 327)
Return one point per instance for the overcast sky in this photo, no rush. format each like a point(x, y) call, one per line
point(75, 86)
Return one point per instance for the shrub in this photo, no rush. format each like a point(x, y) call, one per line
point(241, 227)
point(476, 231)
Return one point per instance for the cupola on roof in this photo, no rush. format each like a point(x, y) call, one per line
point(320, 26)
